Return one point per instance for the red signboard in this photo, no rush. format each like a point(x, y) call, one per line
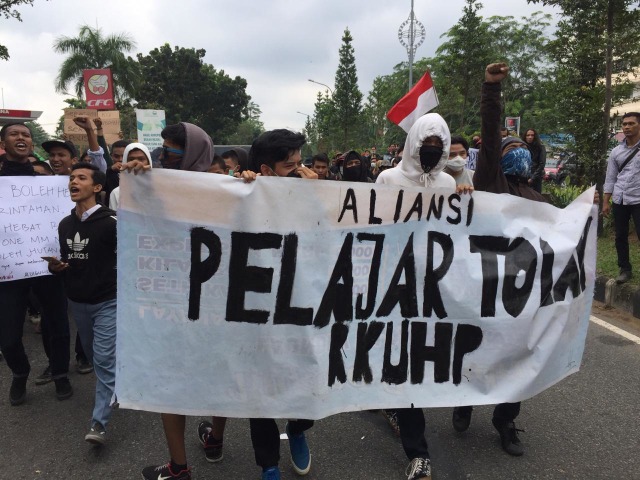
point(14, 113)
point(98, 88)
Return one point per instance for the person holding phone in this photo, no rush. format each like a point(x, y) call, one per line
point(88, 266)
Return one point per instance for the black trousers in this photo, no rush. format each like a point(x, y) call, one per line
point(621, 216)
point(14, 299)
point(412, 425)
point(265, 438)
point(503, 413)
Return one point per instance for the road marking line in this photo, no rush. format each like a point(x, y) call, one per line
point(614, 329)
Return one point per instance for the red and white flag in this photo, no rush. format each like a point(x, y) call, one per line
point(421, 99)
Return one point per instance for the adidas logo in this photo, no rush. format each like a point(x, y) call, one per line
point(77, 244)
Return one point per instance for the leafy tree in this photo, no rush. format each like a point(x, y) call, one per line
point(178, 81)
point(595, 39)
point(8, 11)
point(38, 135)
point(91, 49)
point(347, 97)
point(250, 128)
point(523, 45)
point(311, 132)
point(324, 125)
point(459, 67)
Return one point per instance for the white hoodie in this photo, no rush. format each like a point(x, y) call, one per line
point(409, 172)
point(114, 198)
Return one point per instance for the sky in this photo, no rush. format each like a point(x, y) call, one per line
point(276, 45)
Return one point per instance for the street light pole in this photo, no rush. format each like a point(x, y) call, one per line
point(324, 85)
point(413, 31)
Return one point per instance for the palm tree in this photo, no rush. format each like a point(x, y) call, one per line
point(90, 49)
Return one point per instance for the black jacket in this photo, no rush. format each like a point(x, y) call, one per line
point(89, 248)
point(489, 176)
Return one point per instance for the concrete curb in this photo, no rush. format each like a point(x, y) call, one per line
point(624, 297)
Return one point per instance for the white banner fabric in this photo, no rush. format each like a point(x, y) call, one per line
point(31, 209)
point(291, 298)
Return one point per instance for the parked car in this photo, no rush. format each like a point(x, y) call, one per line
point(561, 166)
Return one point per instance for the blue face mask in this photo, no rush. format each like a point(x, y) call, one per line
point(517, 162)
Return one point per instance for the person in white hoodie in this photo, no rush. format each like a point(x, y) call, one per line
point(134, 151)
point(426, 152)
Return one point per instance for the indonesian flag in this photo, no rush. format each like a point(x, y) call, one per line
point(421, 99)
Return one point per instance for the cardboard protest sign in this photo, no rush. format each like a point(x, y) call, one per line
point(291, 298)
point(31, 209)
point(110, 126)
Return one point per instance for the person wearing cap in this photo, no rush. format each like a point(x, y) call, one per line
point(504, 166)
point(63, 153)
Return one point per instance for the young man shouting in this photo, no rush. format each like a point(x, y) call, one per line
point(88, 266)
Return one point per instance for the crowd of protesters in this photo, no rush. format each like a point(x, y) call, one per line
point(82, 283)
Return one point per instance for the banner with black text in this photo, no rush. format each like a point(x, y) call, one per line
point(291, 298)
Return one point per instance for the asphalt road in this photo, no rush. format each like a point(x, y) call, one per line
point(586, 427)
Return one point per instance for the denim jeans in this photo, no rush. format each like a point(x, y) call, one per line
point(97, 329)
point(14, 298)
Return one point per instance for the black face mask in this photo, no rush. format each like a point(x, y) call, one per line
point(175, 165)
point(429, 157)
point(351, 174)
point(293, 174)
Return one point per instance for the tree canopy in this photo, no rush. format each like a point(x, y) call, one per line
point(178, 81)
point(91, 49)
point(8, 10)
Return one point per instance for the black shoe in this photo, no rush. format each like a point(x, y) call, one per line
point(625, 276)
point(18, 391)
point(509, 437)
point(164, 472)
point(97, 435)
point(212, 447)
point(461, 418)
point(45, 377)
point(83, 366)
point(63, 388)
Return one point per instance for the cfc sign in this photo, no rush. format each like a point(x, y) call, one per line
point(98, 87)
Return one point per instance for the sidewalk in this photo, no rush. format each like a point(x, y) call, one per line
point(623, 297)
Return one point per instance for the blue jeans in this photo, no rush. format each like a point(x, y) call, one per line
point(97, 329)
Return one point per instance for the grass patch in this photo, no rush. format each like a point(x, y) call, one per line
point(607, 260)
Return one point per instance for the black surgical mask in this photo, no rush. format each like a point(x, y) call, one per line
point(292, 174)
point(429, 157)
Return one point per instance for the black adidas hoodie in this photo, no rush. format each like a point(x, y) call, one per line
point(89, 248)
